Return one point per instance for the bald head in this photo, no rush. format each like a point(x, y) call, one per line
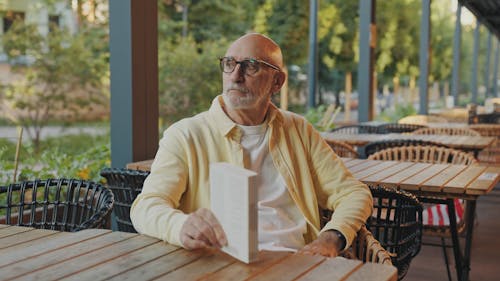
point(258, 46)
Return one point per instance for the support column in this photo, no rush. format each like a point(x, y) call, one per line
point(367, 42)
point(495, 70)
point(474, 63)
point(487, 68)
point(133, 44)
point(313, 53)
point(455, 83)
point(424, 59)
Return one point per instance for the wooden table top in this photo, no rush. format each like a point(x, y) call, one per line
point(421, 178)
point(460, 142)
point(97, 254)
point(446, 180)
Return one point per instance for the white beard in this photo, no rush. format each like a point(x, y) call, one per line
point(236, 101)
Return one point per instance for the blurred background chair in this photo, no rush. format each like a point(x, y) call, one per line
point(422, 119)
point(126, 184)
point(57, 204)
point(491, 154)
point(343, 149)
point(398, 128)
point(446, 131)
point(438, 226)
point(396, 222)
point(356, 129)
point(376, 146)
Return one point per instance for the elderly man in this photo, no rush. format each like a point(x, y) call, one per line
point(298, 173)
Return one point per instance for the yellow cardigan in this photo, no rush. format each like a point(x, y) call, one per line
point(179, 179)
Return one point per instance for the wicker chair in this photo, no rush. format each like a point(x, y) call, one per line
point(57, 204)
point(356, 129)
point(446, 131)
point(376, 146)
point(422, 119)
point(398, 128)
point(343, 149)
point(396, 222)
point(364, 247)
point(395, 225)
point(491, 154)
point(433, 154)
point(126, 185)
point(367, 249)
point(426, 154)
point(487, 118)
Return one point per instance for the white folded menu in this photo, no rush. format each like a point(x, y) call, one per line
point(234, 202)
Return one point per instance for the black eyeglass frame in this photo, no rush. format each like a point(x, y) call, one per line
point(244, 64)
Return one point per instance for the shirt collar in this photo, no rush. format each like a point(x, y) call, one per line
point(227, 126)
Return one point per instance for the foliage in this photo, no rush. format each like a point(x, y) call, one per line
point(76, 156)
point(287, 23)
point(322, 117)
point(63, 79)
point(399, 111)
point(206, 20)
point(189, 77)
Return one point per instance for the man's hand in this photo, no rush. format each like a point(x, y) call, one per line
point(202, 230)
point(328, 244)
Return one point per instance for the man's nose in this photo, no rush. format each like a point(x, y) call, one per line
point(238, 74)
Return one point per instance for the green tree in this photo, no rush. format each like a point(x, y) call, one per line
point(189, 77)
point(61, 78)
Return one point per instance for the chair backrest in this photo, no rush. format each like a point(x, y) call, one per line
point(343, 149)
point(446, 131)
point(422, 119)
point(424, 154)
point(376, 146)
point(126, 184)
point(398, 128)
point(488, 118)
point(57, 204)
point(396, 222)
point(487, 130)
point(356, 129)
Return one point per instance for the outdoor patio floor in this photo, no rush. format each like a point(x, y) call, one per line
point(429, 263)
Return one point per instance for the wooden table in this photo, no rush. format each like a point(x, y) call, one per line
point(434, 183)
point(98, 254)
point(459, 142)
point(441, 182)
point(466, 143)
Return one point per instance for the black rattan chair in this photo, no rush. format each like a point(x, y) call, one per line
point(398, 128)
point(126, 185)
point(356, 129)
point(396, 222)
point(57, 204)
point(343, 149)
point(376, 146)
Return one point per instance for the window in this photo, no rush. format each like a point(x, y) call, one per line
point(53, 22)
point(10, 17)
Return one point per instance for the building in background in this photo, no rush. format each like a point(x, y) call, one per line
point(38, 12)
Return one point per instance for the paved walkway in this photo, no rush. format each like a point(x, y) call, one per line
point(10, 132)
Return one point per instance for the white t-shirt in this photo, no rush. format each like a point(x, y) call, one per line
point(281, 225)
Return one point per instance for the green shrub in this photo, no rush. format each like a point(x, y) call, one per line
point(73, 156)
point(399, 112)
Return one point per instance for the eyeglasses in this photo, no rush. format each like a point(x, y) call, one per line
point(248, 66)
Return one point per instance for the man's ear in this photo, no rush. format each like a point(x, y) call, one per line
point(279, 80)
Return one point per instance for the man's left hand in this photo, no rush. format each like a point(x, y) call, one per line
point(327, 244)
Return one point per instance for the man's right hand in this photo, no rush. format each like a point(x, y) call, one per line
point(202, 230)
